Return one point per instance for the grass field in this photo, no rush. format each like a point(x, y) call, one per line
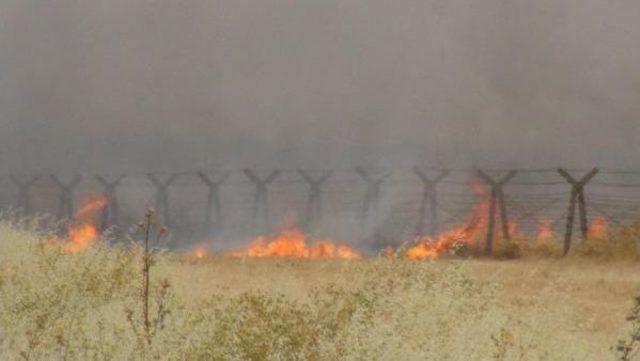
point(86, 306)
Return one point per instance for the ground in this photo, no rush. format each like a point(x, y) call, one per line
point(87, 306)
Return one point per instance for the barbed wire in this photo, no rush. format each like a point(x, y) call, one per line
point(532, 195)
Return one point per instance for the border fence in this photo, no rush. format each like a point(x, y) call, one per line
point(377, 206)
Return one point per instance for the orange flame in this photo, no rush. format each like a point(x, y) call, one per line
point(83, 229)
point(545, 232)
point(90, 208)
point(200, 253)
point(81, 236)
point(292, 244)
point(598, 227)
point(464, 234)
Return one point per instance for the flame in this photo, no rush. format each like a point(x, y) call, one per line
point(545, 232)
point(423, 250)
point(81, 236)
point(292, 244)
point(465, 234)
point(83, 229)
point(598, 227)
point(200, 253)
point(90, 208)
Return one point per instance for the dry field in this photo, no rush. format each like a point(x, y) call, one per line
point(86, 306)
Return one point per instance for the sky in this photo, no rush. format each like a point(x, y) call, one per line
point(163, 85)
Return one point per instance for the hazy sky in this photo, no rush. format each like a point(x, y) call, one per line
point(164, 84)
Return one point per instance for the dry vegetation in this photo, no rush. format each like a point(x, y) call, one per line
point(86, 306)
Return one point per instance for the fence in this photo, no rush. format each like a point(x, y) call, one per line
point(372, 206)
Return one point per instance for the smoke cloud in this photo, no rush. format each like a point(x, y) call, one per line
point(166, 85)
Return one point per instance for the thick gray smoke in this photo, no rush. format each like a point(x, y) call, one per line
point(173, 85)
point(137, 86)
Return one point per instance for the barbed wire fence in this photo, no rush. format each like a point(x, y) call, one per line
point(368, 206)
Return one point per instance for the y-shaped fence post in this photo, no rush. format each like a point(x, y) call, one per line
point(65, 206)
point(314, 201)
point(24, 193)
point(162, 195)
point(213, 201)
point(497, 198)
point(430, 198)
point(111, 210)
point(260, 200)
point(577, 195)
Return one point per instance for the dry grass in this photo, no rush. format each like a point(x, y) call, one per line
point(55, 306)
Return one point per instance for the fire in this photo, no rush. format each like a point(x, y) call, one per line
point(465, 234)
point(545, 232)
point(598, 227)
point(200, 253)
point(423, 250)
point(92, 205)
point(292, 244)
point(462, 235)
point(81, 237)
point(83, 229)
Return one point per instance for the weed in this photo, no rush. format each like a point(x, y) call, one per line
point(628, 348)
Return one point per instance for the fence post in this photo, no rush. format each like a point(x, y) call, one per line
point(213, 184)
point(162, 195)
point(313, 212)
point(430, 197)
point(24, 193)
point(110, 213)
point(497, 199)
point(260, 199)
point(65, 205)
point(577, 196)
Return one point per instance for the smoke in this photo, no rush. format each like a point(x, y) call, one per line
point(165, 85)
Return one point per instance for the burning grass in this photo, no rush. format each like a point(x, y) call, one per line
point(82, 229)
point(292, 243)
point(55, 305)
